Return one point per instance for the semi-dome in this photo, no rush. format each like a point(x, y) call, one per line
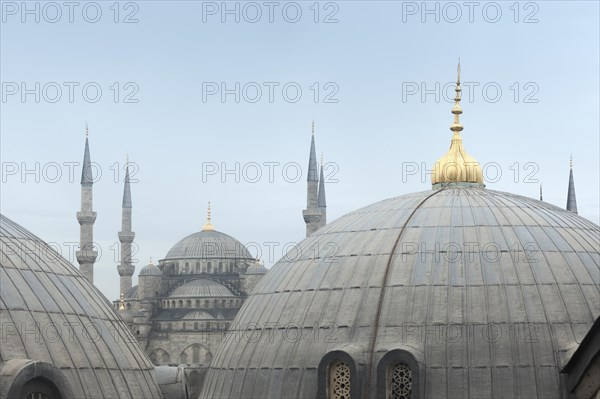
point(198, 315)
point(454, 292)
point(201, 288)
point(208, 244)
point(60, 336)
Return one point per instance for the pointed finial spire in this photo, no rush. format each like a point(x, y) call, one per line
point(457, 110)
point(541, 196)
point(322, 163)
point(571, 161)
point(208, 226)
point(313, 127)
point(86, 129)
point(456, 166)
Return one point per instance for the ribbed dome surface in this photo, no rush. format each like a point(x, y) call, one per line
point(207, 245)
point(399, 274)
point(201, 288)
point(77, 331)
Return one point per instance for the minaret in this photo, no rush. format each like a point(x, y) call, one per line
point(321, 200)
point(86, 256)
point(571, 200)
point(126, 236)
point(311, 214)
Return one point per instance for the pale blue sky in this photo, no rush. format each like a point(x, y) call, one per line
point(374, 52)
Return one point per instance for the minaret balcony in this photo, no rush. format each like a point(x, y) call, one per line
point(126, 236)
point(86, 256)
point(86, 217)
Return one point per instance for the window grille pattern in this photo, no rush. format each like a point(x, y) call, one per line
point(339, 381)
point(400, 386)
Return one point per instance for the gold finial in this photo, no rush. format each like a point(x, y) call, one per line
point(571, 161)
point(208, 226)
point(150, 261)
point(457, 110)
point(456, 166)
point(541, 197)
point(126, 159)
point(122, 302)
point(313, 127)
point(86, 129)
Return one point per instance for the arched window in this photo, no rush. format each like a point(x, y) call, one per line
point(40, 388)
point(399, 381)
point(220, 267)
point(186, 268)
point(398, 376)
point(180, 303)
point(195, 325)
point(183, 326)
point(339, 381)
point(189, 303)
point(172, 304)
point(198, 267)
point(206, 303)
point(209, 267)
point(197, 303)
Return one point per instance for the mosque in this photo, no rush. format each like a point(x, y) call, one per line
point(454, 292)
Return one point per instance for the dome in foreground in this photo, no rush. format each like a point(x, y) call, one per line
point(208, 244)
point(201, 288)
point(455, 292)
point(60, 336)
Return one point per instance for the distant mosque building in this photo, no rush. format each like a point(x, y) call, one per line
point(455, 292)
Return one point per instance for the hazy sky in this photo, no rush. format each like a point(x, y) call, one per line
point(213, 108)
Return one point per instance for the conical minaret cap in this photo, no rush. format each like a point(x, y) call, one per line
point(456, 166)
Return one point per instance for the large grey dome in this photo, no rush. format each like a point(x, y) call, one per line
point(58, 328)
point(208, 244)
point(483, 293)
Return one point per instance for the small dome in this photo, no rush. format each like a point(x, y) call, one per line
point(150, 270)
point(256, 268)
point(209, 244)
point(201, 288)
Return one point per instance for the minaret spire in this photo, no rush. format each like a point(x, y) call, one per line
point(541, 196)
point(321, 200)
point(311, 214)
point(208, 226)
point(86, 255)
point(571, 199)
point(126, 236)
